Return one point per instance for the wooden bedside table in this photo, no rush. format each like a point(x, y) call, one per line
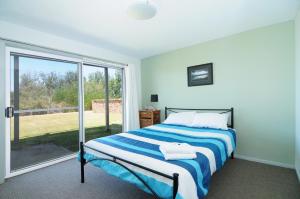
point(149, 117)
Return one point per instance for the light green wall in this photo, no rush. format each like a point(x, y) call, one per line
point(253, 72)
point(297, 39)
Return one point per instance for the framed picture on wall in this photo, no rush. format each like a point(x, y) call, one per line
point(200, 75)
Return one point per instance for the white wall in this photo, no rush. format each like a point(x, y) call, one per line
point(23, 34)
point(2, 106)
point(297, 55)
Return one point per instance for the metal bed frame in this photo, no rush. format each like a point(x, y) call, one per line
point(118, 160)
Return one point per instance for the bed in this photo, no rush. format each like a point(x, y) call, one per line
point(135, 157)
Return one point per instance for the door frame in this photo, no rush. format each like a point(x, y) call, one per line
point(8, 51)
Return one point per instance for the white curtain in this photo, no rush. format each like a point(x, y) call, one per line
point(131, 99)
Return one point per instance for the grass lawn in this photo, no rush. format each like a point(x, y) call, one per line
point(39, 125)
point(61, 129)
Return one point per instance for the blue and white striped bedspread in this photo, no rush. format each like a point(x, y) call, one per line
point(141, 146)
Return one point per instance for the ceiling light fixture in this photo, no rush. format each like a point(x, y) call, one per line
point(142, 10)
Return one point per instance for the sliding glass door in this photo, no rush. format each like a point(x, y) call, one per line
point(51, 101)
point(102, 101)
point(44, 99)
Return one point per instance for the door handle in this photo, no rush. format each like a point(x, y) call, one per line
point(9, 112)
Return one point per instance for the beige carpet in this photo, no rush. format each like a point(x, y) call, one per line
point(239, 179)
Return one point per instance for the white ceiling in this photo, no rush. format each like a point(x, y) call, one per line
point(178, 23)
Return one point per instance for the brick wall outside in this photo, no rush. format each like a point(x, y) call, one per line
point(115, 106)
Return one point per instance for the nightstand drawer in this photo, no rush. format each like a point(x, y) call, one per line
point(145, 122)
point(156, 118)
point(145, 114)
point(149, 117)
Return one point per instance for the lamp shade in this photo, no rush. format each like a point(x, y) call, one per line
point(142, 10)
point(154, 98)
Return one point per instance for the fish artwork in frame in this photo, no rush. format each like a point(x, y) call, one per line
point(200, 75)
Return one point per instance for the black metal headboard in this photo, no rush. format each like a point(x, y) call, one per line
point(230, 110)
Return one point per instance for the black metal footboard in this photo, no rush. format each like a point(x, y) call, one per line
point(83, 162)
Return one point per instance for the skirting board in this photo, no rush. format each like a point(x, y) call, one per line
point(279, 164)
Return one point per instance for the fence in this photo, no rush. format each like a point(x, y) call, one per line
point(45, 111)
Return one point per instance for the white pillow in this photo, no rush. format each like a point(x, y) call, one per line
point(182, 118)
point(228, 117)
point(210, 120)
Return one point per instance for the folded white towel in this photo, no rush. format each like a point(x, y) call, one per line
point(181, 156)
point(175, 151)
point(177, 148)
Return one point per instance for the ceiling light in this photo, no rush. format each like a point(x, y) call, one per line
point(142, 10)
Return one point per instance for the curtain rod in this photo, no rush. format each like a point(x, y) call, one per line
point(62, 51)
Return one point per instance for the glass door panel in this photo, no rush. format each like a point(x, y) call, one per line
point(94, 102)
point(103, 105)
point(44, 95)
point(115, 76)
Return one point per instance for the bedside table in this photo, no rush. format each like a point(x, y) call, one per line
point(149, 117)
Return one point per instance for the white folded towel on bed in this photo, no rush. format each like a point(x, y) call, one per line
point(172, 151)
point(180, 156)
point(175, 147)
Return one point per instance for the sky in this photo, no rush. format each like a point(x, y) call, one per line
point(32, 65)
point(36, 66)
